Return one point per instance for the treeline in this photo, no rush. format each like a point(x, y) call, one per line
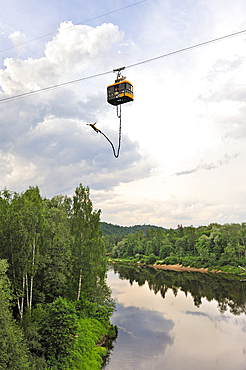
point(110, 229)
point(205, 246)
point(52, 281)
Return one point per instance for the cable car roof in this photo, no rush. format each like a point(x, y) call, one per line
point(120, 82)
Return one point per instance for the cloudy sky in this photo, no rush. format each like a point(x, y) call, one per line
point(183, 138)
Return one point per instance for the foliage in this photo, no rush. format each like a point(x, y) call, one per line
point(110, 229)
point(206, 246)
point(88, 249)
point(14, 354)
point(86, 355)
point(57, 260)
point(151, 259)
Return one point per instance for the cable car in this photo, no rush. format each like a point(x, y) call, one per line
point(121, 91)
point(118, 93)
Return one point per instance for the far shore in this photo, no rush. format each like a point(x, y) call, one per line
point(179, 267)
point(174, 267)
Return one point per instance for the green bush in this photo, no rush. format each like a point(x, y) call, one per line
point(171, 260)
point(13, 352)
point(87, 355)
point(58, 330)
point(152, 258)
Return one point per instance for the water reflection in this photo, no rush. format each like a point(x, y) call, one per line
point(173, 320)
point(143, 335)
point(227, 290)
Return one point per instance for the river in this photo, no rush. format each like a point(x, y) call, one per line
point(177, 320)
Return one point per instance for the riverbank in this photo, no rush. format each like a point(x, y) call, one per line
point(181, 268)
point(178, 267)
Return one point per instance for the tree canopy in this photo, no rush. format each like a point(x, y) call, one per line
point(205, 246)
point(55, 260)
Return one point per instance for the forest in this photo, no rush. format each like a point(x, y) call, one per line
point(219, 247)
point(110, 229)
point(55, 305)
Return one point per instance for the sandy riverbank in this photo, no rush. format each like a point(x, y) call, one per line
point(180, 268)
point(175, 267)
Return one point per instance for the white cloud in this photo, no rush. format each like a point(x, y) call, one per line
point(17, 37)
point(44, 136)
point(188, 117)
point(72, 50)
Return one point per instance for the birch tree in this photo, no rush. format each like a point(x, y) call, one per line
point(32, 213)
point(88, 250)
point(21, 219)
point(55, 267)
point(13, 352)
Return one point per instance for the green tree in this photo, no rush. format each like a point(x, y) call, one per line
point(166, 248)
point(22, 222)
point(181, 246)
point(32, 213)
point(130, 243)
point(88, 248)
point(191, 236)
point(58, 330)
point(149, 249)
point(56, 257)
point(202, 246)
point(216, 241)
point(13, 353)
point(230, 252)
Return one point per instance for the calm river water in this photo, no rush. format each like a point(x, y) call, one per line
point(177, 320)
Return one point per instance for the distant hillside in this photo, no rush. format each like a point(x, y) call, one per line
point(110, 229)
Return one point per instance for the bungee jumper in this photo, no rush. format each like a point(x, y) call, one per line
point(97, 130)
point(118, 93)
point(93, 126)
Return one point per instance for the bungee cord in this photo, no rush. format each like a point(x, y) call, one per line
point(116, 154)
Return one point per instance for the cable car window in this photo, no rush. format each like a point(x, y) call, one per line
point(122, 86)
point(128, 88)
point(111, 92)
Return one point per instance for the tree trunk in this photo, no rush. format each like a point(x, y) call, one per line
point(27, 295)
point(33, 260)
point(22, 299)
point(80, 278)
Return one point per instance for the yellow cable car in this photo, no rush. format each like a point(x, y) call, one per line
point(118, 93)
point(121, 91)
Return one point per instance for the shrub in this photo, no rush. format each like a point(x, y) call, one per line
point(152, 258)
point(58, 329)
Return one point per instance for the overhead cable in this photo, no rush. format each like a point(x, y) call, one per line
point(188, 48)
point(129, 66)
point(52, 87)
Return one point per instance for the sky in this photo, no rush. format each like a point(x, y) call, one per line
point(183, 151)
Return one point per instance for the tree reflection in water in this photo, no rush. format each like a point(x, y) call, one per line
point(227, 290)
point(177, 320)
